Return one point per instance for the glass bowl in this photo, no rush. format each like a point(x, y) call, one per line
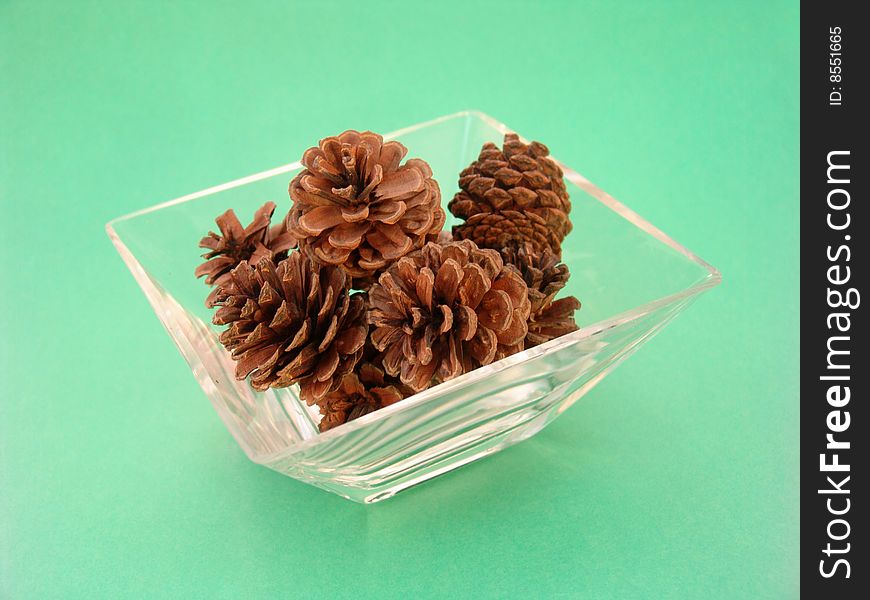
point(631, 278)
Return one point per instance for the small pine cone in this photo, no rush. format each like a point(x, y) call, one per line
point(236, 243)
point(354, 205)
point(519, 179)
point(545, 276)
point(360, 393)
point(444, 310)
point(293, 322)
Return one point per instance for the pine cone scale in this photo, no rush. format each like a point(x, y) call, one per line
point(483, 345)
point(216, 265)
point(474, 287)
point(320, 219)
point(327, 364)
point(401, 183)
point(351, 340)
point(295, 371)
point(390, 241)
point(451, 365)
point(467, 323)
point(251, 360)
point(388, 213)
point(300, 337)
point(515, 331)
point(447, 280)
point(497, 310)
point(424, 285)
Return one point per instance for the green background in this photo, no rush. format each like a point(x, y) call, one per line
point(676, 477)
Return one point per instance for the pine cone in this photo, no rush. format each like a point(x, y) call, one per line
point(236, 243)
point(360, 393)
point(355, 206)
point(444, 310)
point(545, 276)
point(522, 185)
point(293, 322)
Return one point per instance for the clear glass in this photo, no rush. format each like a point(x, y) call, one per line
point(631, 278)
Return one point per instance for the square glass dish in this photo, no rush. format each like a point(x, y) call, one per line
point(631, 278)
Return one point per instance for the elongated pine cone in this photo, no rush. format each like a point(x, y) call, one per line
point(360, 393)
point(513, 195)
point(294, 322)
point(444, 310)
point(354, 205)
point(236, 243)
point(545, 276)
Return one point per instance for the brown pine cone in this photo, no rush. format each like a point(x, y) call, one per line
point(293, 322)
point(355, 206)
point(521, 183)
point(545, 276)
point(445, 310)
point(360, 393)
point(236, 243)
